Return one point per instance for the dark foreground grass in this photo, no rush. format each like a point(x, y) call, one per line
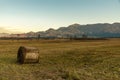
point(62, 60)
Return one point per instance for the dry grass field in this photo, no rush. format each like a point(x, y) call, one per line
point(62, 60)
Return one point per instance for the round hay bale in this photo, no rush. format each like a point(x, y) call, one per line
point(27, 55)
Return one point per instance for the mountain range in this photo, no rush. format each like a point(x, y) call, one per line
point(98, 30)
point(90, 30)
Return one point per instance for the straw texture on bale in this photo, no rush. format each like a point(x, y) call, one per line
point(28, 55)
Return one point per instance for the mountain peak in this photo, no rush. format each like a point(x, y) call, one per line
point(50, 30)
point(74, 25)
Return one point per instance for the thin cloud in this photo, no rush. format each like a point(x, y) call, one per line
point(5, 30)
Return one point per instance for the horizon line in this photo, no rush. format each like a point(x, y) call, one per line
point(22, 32)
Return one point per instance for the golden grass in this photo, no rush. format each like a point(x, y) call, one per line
point(62, 60)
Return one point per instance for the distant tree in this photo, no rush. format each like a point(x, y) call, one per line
point(39, 36)
point(84, 36)
point(75, 36)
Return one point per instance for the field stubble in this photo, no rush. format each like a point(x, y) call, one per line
point(62, 60)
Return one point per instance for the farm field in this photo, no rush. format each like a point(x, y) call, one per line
point(62, 60)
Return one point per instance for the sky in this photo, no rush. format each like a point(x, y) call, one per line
point(40, 15)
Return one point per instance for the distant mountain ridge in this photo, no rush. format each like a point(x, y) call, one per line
point(98, 30)
point(91, 30)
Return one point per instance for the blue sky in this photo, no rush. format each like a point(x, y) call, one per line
point(39, 15)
